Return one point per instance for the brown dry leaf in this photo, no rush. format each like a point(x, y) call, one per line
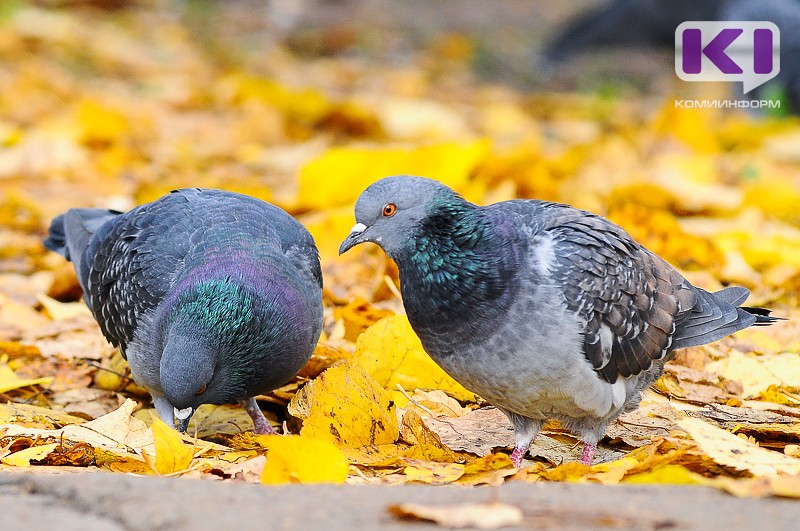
point(766, 426)
point(477, 432)
point(729, 450)
point(117, 432)
point(472, 515)
point(414, 431)
point(434, 403)
point(35, 416)
point(639, 427)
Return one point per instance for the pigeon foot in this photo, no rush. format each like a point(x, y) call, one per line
point(517, 455)
point(588, 454)
point(261, 425)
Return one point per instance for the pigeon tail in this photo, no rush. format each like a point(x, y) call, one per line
point(717, 315)
point(71, 232)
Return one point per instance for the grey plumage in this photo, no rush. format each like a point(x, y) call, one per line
point(544, 310)
point(213, 297)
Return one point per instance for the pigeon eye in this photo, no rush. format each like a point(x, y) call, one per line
point(200, 391)
point(389, 209)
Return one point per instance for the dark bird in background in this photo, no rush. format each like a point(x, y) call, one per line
point(213, 297)
point(547, 311)
point(652, 23)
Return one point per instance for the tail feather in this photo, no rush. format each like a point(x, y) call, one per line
point(717, 315)
point(71, 232)
point(734, 295)
point(57, 237)
point(763, 317)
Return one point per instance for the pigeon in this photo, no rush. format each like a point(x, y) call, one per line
point(213, 297)
point(546, 311)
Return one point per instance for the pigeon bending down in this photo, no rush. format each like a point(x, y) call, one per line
point(547, 311)
point(213, 297)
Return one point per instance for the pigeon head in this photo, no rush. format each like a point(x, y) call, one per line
point(215, 326)
point(392, 211)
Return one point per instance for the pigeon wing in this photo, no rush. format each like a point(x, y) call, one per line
point(631, 300)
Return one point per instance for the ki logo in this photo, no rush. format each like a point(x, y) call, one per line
point(748, 52)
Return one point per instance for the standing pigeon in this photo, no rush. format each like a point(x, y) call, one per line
point(545, 310)
point(213, 297)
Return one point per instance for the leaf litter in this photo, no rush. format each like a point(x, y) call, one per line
point(713, 192)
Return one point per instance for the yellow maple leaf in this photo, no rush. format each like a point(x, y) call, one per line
point(10, 381)
point(302, 459)
point(172, 454)
point(392, 354)
point(339, 175)
point(348, 408)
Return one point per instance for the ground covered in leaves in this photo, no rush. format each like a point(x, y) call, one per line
point(116, 108)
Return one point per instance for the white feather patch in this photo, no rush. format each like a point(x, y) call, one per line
point(544, 254)
point(618, 392)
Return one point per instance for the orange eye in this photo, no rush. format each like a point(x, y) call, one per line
point(200, 391)
point(389, 209)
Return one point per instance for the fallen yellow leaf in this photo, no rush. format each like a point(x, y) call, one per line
point(24, 457)
point(10, 381)
point(172, 454)
point(727, 449)
point(58, 311)
point(392, 353)
point(432, 472)
point(302, 459)
point(118, 432)
point(348, 408)
point(470, 515)
point(339, 175)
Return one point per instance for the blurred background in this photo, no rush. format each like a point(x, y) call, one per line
point(305, 102)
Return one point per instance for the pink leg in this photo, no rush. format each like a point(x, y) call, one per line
point(588, 454)
point(518, 455)
point(260, 422)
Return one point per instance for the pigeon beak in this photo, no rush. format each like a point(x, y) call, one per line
point(354, 238)
point(183, 416)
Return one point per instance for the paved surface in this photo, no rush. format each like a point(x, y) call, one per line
point(104, 501)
